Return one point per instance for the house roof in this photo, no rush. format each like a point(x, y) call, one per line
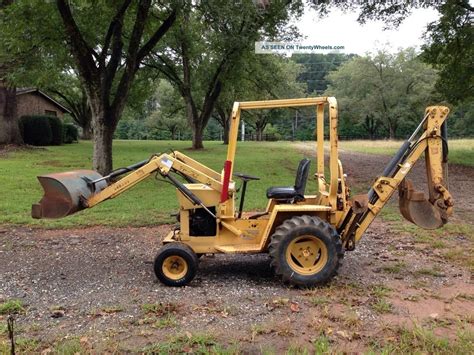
point(23, 91)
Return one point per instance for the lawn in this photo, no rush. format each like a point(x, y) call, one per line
point(148, 203)
point(152, 202)
point(461, 151)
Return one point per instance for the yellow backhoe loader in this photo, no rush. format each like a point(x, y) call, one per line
point(305, 235)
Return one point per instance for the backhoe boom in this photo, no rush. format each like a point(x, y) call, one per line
point(429, 213)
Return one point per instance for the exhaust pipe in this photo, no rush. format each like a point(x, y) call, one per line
point(66, 193)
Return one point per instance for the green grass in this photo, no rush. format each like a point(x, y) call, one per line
point(382, 306)
point(396, 268)
point(195, 344)
point(11, 307)
point(319, 300)
point(148, 203)
point(22, 346)
point(461, 151)
point(421, 340)
point(70, 347)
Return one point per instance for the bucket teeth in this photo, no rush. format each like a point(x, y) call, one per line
point(417, 209)
point(66, 193)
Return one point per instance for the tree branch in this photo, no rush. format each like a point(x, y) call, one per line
point(117, 20)
point(155, 38)
point(83, 53)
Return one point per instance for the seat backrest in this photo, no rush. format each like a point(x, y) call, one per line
point(302, 176)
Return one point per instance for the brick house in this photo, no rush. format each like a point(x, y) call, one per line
point(35, 102)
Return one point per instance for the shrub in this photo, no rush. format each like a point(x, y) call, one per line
point(57, 130)
point(36, 130)
point(71, 133)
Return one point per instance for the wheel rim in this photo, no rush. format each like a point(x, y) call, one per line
point(307, 255)
point(174, 267)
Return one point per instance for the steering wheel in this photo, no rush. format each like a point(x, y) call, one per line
point(246, 177)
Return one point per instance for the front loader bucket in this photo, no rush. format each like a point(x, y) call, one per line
point(66, 193)
point(417, 209)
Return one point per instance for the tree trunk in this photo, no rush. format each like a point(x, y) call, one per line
point(226, 133)
point(195, 121)
point(224, 121)
point(103, 127)
point(9, 129)
point(197, 137)
point(102, 156)
point(259, 131)
point(391, 131)
point(86, 131)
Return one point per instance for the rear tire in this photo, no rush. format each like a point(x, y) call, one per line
point(176, 264)
point(305, 251)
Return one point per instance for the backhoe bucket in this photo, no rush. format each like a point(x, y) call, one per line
point(417, 209)
point(66, 193)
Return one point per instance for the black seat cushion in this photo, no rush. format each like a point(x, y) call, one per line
point(281, 192)
point(292, 192)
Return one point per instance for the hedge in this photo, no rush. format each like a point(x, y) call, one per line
point(36, 130)
point(47, 130)
point(57, 130)
point(71, 133)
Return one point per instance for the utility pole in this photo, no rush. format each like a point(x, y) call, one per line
point(243, 131)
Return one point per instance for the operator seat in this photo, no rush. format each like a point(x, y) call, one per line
point(293, 193)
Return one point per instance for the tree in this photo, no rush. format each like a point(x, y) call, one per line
point(315, 68)
point(75, 98)
point(272, 77)
point(386, 89)
point(107, 50)
point(168, 113)
point(265, 77)
point(9, 130)
point(449, 48)
point(209, 46)
point(448, 44)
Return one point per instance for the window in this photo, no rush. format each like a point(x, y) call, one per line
point(50, 113)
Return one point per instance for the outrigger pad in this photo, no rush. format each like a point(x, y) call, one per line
point(417, 209)
point(66, 193)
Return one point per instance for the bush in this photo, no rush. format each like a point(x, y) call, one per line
point(36, 130)
point(57, 130)
point(71, 133)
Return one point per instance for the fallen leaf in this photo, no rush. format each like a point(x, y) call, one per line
point(295, 307)
point(343, 334)
point(189, 335)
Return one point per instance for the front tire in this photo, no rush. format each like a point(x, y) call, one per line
point(176, 264)
point(305, 251)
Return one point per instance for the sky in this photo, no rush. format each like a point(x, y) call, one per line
point(342, 29)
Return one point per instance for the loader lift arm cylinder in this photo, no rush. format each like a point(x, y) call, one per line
point(188, 193)
point(120, 171)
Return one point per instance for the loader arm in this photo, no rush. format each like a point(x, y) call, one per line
point(161, 164)
point(70, 192)
point(429, 138)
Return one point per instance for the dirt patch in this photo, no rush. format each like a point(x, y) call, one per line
point(6, 149)
point(98, 283)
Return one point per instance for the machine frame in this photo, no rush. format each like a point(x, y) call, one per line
point(208, 197)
